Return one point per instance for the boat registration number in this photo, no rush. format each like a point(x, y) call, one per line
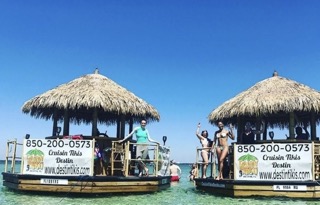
point(289, 187)
point(54, 181)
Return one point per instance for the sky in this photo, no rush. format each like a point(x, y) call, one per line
point(185, 58)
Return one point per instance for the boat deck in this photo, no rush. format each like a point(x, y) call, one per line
point(234, 188)
point(85, 184)
point(113, 174)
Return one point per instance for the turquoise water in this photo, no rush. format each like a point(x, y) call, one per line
point(182, 192)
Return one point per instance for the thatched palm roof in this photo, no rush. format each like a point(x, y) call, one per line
point(89, 93)
point(271, 99)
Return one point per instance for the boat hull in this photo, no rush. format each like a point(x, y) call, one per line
point(85, 184)
point(233, 188)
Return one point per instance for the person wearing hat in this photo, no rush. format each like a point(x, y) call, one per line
point(175, 171)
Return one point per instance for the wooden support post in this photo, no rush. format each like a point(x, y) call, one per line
point(7, 156)
point(126, 159)
point(123, 126)
point(55, 122)
point(291, 125)
point(95, 122)
point(131, 125)
point(313, 126)
point(265, 130)
point(258, 127)
point(13, 163)
point(157, 159)
point(66, 121)
point(92, 163)
point(240, 129)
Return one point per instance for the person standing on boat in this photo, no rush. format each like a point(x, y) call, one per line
point(97, 156)
point(300, 134)
point(175, 171)
point(143, 138)
point(203, 137)
point(222, 147)
point(248, 135)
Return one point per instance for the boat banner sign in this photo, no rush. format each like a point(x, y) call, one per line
point(57, 157)
point(274, 161)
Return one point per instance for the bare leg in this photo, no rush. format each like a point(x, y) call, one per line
point(221, 161)
point(204, 155)
point(219, 152)
point(143, 153)
point(141, 167)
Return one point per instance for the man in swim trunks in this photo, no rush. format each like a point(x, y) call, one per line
point(175, 171)
point(222, 148)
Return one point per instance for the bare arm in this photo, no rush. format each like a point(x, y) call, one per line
point(214, 140)
point(129, 135)
point(149, 138)
point(198, 132)
point(231, 135)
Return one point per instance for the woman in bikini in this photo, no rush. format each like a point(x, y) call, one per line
point(205, 149)
point(222, 148)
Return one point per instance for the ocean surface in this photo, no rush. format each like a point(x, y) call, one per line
point(183, 192)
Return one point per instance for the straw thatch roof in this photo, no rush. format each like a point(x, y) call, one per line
point(271, 99)
point(88, 93)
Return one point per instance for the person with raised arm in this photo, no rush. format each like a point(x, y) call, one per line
point(205, 142)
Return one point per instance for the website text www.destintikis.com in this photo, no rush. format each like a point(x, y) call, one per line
point(63, 170)
point(290, 174)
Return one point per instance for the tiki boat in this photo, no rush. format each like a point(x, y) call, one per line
point(70, 165)
point(92, 164)
point(271, 166)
